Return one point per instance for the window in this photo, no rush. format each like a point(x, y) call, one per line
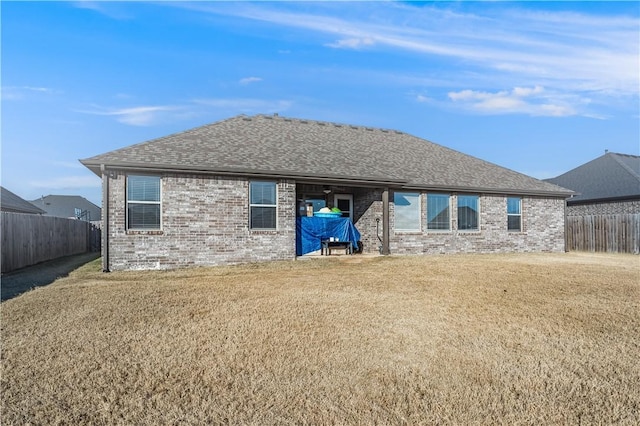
point(468, 212)
point(262, 205)
point(407, 211)
point(143, 202)
point(438, 212)
point(514, 214)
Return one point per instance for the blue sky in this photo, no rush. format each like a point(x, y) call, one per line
point(537, 87)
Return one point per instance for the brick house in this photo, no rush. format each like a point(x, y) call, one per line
point(609, 184)
point(230, 192)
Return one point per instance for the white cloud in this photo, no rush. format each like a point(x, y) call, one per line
point(67, 182)
point(140, 116)
point(576, 54)
point(103, 8)
point(136, 116)
point(152, 115)
point(248, 80)
point(38, 89)
point(520, 100)
point(527, 91)
point(352, 43)
point(420, 97)
point(12, 93)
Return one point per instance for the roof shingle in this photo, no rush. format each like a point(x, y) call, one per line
point(264, 145)
point(610, 176)
point(66, 205)
point(10, 202)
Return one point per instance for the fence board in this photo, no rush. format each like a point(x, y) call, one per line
point(615, 233)
point(29, 239)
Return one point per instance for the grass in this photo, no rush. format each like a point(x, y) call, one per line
point(466, 339)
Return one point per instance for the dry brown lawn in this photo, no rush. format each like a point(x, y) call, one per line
point(467, 339)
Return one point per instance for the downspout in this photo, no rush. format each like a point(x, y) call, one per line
point(385, 222)
point(566, 227)
point(105, 218)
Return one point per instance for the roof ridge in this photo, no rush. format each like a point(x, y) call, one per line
point(626, 166)
point(623, 154)
point(326, 123)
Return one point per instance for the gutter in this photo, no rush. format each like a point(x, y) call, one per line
point(573, 202)
point(497, 191)
point(337, 180)
point(277, 174)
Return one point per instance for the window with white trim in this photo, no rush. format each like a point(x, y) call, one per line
point(143, 202)
point(407, 211)
point(468, 212)
point(514, 214)
point(262, 205)
point(438, 212)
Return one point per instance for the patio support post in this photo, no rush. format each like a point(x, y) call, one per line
point(105, 218)
point(385, 221)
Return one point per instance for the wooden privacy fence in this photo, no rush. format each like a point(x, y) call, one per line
point(28, 239)
point(618, 233)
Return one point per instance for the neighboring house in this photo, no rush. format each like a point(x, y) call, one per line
point(231, 191)
point(68, 206)
point(10, 202)
point(610, 184)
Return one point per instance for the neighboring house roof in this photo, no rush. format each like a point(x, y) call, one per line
point(10, 202)
point(611, 176)
point(274, 146)
point(66, 205)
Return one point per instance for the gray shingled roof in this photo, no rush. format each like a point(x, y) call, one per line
point(65, 205)
point(608, 177)
point(274, 146)
point(10, 202)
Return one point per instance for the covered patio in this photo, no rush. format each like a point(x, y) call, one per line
point(363, 220)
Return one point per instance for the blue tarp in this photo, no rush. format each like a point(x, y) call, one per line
point(311, 230)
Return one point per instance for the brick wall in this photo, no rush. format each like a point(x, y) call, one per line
point(614, 207)
point(542, 227)
point(367, 206)
point(205, 221)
